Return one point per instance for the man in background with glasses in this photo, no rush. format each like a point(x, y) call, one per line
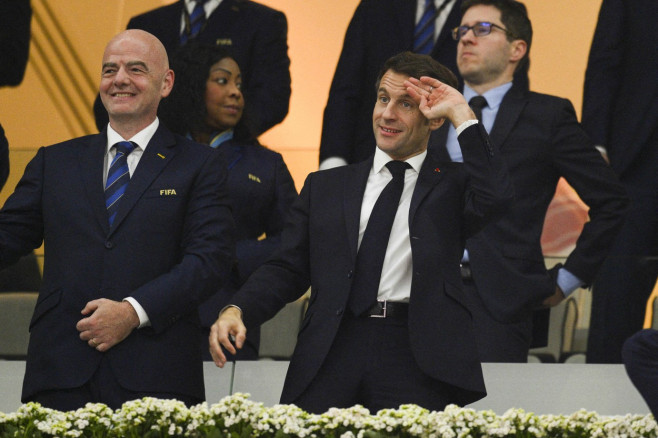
point(540, 140)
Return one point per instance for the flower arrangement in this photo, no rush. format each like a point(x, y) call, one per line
point(238, 417)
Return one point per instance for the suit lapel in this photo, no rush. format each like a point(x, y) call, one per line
point(159, 152)
point(508, 113)
point(430, 175)
point(92, 160)
point(353, 190)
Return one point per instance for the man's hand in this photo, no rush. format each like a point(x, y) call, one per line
point(108, 323)
point(554, 299)
point(228, 324)
point(437, 100)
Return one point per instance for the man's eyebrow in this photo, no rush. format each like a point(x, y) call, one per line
point(137, 63)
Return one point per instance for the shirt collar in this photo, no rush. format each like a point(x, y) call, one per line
point(142, 138)
point(381, 158)
point(494, 96)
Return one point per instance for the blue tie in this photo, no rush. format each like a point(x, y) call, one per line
point(424, 32)
point(117, 178)
point(370, 258)
point(193, 22)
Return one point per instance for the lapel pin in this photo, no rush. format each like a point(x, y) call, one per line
point(161, 156)
point(437, 170)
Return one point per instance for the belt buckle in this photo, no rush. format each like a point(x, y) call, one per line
point(383, 314)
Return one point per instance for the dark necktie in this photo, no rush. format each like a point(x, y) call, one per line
point(117, 177)
point(193, 22)
point(370, 258)
point(477, 103)
point(424, 32)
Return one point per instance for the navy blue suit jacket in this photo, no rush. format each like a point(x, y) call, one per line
point(319, 245)
point(261, 191)
point(171, 245)
point(541, 140)
point(620, 102)
point(379, 29)
point(256, 36)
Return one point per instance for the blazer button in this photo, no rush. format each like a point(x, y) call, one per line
point(109, 244)
point(339, 312)
point(350, 274)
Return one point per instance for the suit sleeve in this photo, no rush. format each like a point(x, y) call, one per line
point(252, 253)
point(207, 251)
point(284, 277)
point(597, 186)
point(4, 158)
point(341, 113)
point(21, 218)
point(267, 93)
point(490, 192)
point(603, 74)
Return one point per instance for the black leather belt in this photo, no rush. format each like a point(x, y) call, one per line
point(466, 271)
point(388, 309)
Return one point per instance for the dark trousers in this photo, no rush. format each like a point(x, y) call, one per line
point(627, 277)
point(640, 354)
point(101, 388)
point(498, 341)
point(370, 363)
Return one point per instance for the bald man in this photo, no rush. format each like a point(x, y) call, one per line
point(116, 316)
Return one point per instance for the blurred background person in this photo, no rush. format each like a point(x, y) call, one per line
point(256, 35)
point(378, 30)
point(620, 113)
point(207, 105)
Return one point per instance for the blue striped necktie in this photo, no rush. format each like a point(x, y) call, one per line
point(118, 177)
point(424, 32)
point(193, 22)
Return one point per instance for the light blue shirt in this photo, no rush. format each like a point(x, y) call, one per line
point(565, 279)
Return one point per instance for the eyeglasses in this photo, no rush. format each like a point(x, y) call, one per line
point(481, 28)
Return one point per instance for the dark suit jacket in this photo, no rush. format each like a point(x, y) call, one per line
point(170, 246)
point(261, 191)
point(540, 140)
point(379, 29)
point(319, 246)
point(15, 17)
point(620, 104)
point(4, 158)
point(257, 36)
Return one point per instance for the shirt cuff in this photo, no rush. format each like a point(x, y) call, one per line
point(141, 313)
point(568, 282)
point(465, 125)
point(331, 162)
point(226, 307)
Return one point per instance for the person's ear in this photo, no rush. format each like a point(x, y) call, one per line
point(436, 123)
point(518, 50)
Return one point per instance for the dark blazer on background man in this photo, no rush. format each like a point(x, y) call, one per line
point(540, 141)
point(379, 29)
point(256, 36)
point(261, 191)
point(319, 247)
point(170, 246)
point(620, 113)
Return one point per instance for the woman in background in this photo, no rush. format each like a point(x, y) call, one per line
point(206, 104)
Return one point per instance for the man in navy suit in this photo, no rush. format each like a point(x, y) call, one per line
point(257, 37)
point(378, 30)
point(540, 140)
point(116, 318)
point(415, 343)
point(620, 113)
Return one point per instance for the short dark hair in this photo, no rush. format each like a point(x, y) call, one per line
point(416, 65)
point(184, 110)
point(514, 17)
